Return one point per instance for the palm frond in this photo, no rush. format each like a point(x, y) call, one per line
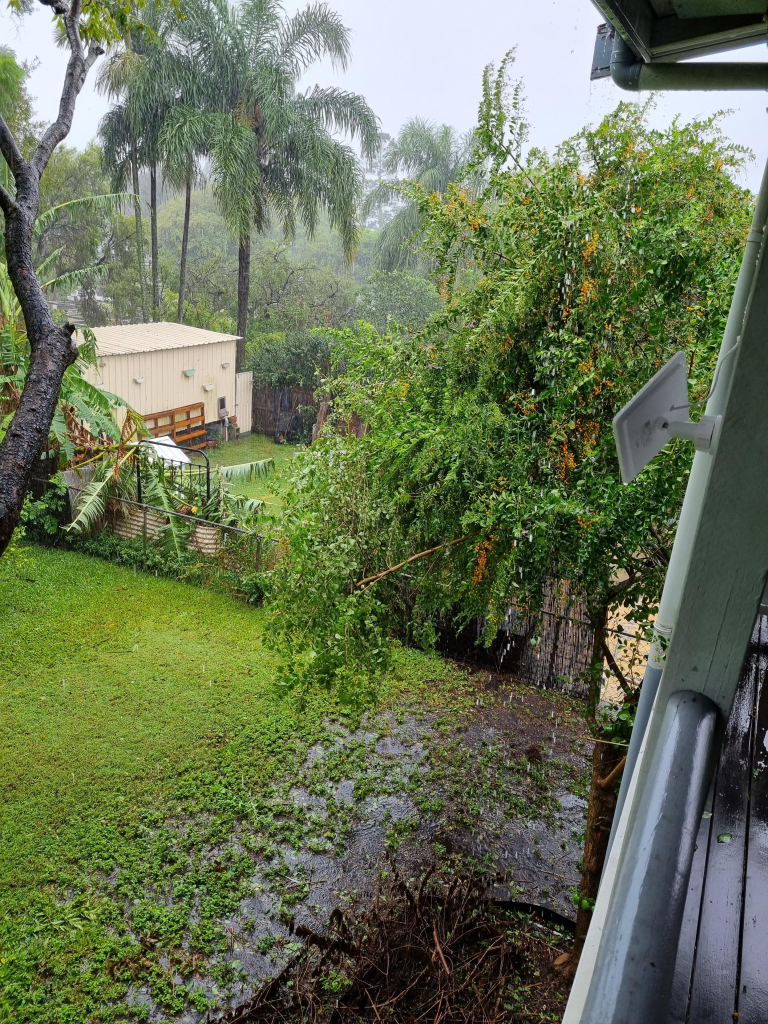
point(247, 472)
point(346, 112)
point(111, 202)
point(93, 500)
point(156, 491)
point(312, 34)
point(65, 283)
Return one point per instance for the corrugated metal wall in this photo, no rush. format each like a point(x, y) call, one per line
point(163, 382)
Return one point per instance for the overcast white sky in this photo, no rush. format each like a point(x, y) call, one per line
point(425, 57)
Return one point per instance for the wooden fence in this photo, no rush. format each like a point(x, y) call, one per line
point(276, 410)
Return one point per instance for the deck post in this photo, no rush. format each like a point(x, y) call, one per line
point(722, 582)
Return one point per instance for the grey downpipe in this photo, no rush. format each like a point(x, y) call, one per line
point(694, 496)
point(629, 72)
point(633, 975)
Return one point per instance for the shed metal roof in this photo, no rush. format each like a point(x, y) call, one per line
point(673, 30)
point(128, 338)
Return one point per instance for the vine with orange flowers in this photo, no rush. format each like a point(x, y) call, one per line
point(568, 280)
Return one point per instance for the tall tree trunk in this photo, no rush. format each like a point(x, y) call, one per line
point(139, 229)
point(52, 350)
point(153, 228)
point(606, 759)
point(184, 242)
point(243, 288)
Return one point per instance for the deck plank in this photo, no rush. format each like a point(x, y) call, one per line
point(753, 988)
point(716, 966)
point(681, 986)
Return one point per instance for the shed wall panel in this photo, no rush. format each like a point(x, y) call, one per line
point(164, 384)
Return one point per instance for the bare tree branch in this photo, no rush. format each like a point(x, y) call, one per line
point(9, 149)
point(78, 67)
point(7, 202)
point(613, 666)
point(370, 580)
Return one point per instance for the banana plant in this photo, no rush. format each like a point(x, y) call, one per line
point(165, 489)
point(79, 401)
point(247, 472)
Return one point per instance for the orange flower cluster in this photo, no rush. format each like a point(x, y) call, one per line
point(481, 569)
point(588, 434)
point(588, 290)
point(567, 460)
point(590, 248)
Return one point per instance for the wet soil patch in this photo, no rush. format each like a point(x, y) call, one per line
point(497, 784)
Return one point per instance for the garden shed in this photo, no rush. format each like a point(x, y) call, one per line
point(181, 379)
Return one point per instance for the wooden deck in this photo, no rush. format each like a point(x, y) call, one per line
point(185, 425)
point(722, 962)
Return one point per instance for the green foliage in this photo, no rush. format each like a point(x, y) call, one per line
point(397, 299)
point(11, 82)
point(288, 359)
point(590, 270)
point(16, 106)
point(77, 219)
point(334, 521)
point(43, 517)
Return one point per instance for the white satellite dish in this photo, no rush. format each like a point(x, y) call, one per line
point(658, 412)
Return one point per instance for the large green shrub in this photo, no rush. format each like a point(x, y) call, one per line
point(490, 430)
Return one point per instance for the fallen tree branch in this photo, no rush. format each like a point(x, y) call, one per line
point(439, 950)
point(370, 580)
point(609, 780)
point(622, 679)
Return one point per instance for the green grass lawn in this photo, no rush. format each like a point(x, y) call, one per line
point(144, 770)
point(254, 448)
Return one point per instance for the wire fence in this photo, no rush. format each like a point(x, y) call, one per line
point(138, 520)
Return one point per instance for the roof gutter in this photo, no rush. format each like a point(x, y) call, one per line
point(629, 72)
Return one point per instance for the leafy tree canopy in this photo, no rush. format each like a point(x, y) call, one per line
point(493, 431)
point(398, 298)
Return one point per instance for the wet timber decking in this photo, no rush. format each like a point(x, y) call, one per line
point(722, 963)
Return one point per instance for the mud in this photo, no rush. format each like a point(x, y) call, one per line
point(513, 725)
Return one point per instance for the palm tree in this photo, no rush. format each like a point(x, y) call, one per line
point(120, 155)
point(141, 75)
point(271, 148)
point(181, 172)
point(430, 154)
